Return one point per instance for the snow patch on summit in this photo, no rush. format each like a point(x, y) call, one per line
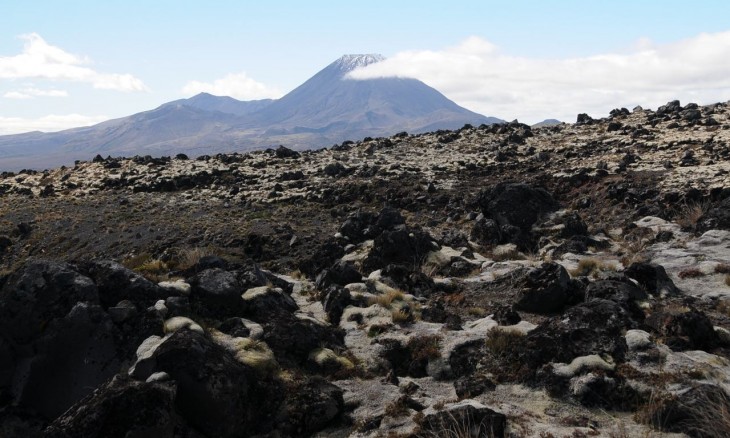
point(348, 63)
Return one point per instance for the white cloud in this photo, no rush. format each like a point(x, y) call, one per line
point(478, 76)
point(237, 85)
point(30, 93)
point(40, 60)
point(50, 123)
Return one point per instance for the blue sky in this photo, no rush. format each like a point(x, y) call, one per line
point(121, 57)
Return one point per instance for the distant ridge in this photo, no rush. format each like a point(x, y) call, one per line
point(328, 108)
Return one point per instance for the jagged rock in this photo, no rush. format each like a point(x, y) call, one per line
point(506, 315)
point(263, 301)
point(284, 152)
point(478, 419)
point(621, 291)
point(717, 217)
point(516, 207)
point(341, 273)
point(684, 330)
point(593, 327)
point(292, 338)
point(117, 283)
point(573, 225)
point(399, 245)
point(74, 355)
point(486, 232)
point(465, 358)
point(123, 408)
point(217, 292)
point(414, 282)
point(38, 293)
point(336, 299)
point(310, 406)
point(653, 278)
point(321, 257)
point(216, 394)
point(543, 290)
point(472, 386)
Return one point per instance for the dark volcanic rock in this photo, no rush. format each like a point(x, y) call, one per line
point(472, 386)
point(39, 292)
point(216, 394)
point(400, 246)
point(653, 278)
point(217, 292)
point(593, 327)
point(321, 257)
point(516, 205)
point(341, 273)
point(543, 290)
point(292, 338)
point(123, 408)
point(75, 354)
point(485, 232)
point(690, 330)
point(310, 406)
point(336, 299)
point(117, 283)
point(717, 217)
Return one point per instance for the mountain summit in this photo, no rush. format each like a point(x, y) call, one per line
point(328, 108)
point(348, 63)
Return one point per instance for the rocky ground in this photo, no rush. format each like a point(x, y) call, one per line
point(563, 281)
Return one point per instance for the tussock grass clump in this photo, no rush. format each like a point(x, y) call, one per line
point(386, 300)
point(590, 265)
point(501, 341)
point(691, 213)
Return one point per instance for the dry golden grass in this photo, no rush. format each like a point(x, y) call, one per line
point(500, 341)
point(690, 213)
point(386, 300)
point(590, 265)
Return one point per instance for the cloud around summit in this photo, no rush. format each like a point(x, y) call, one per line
point(477, 75)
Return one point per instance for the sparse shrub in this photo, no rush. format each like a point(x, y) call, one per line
point(690, 273)
point(425, 347)
point(500, 341)
point(401, 315)
point(397, 408)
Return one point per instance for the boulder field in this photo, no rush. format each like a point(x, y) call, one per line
point(493, 281)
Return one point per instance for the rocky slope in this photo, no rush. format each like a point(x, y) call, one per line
point(569, 280)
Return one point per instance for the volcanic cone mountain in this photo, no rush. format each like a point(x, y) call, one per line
point(328, 108)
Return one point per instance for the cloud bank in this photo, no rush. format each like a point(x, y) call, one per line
point(478, 76)
point(51, 123)
point(237, 85)
point(40, 60)
point(30, 93)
